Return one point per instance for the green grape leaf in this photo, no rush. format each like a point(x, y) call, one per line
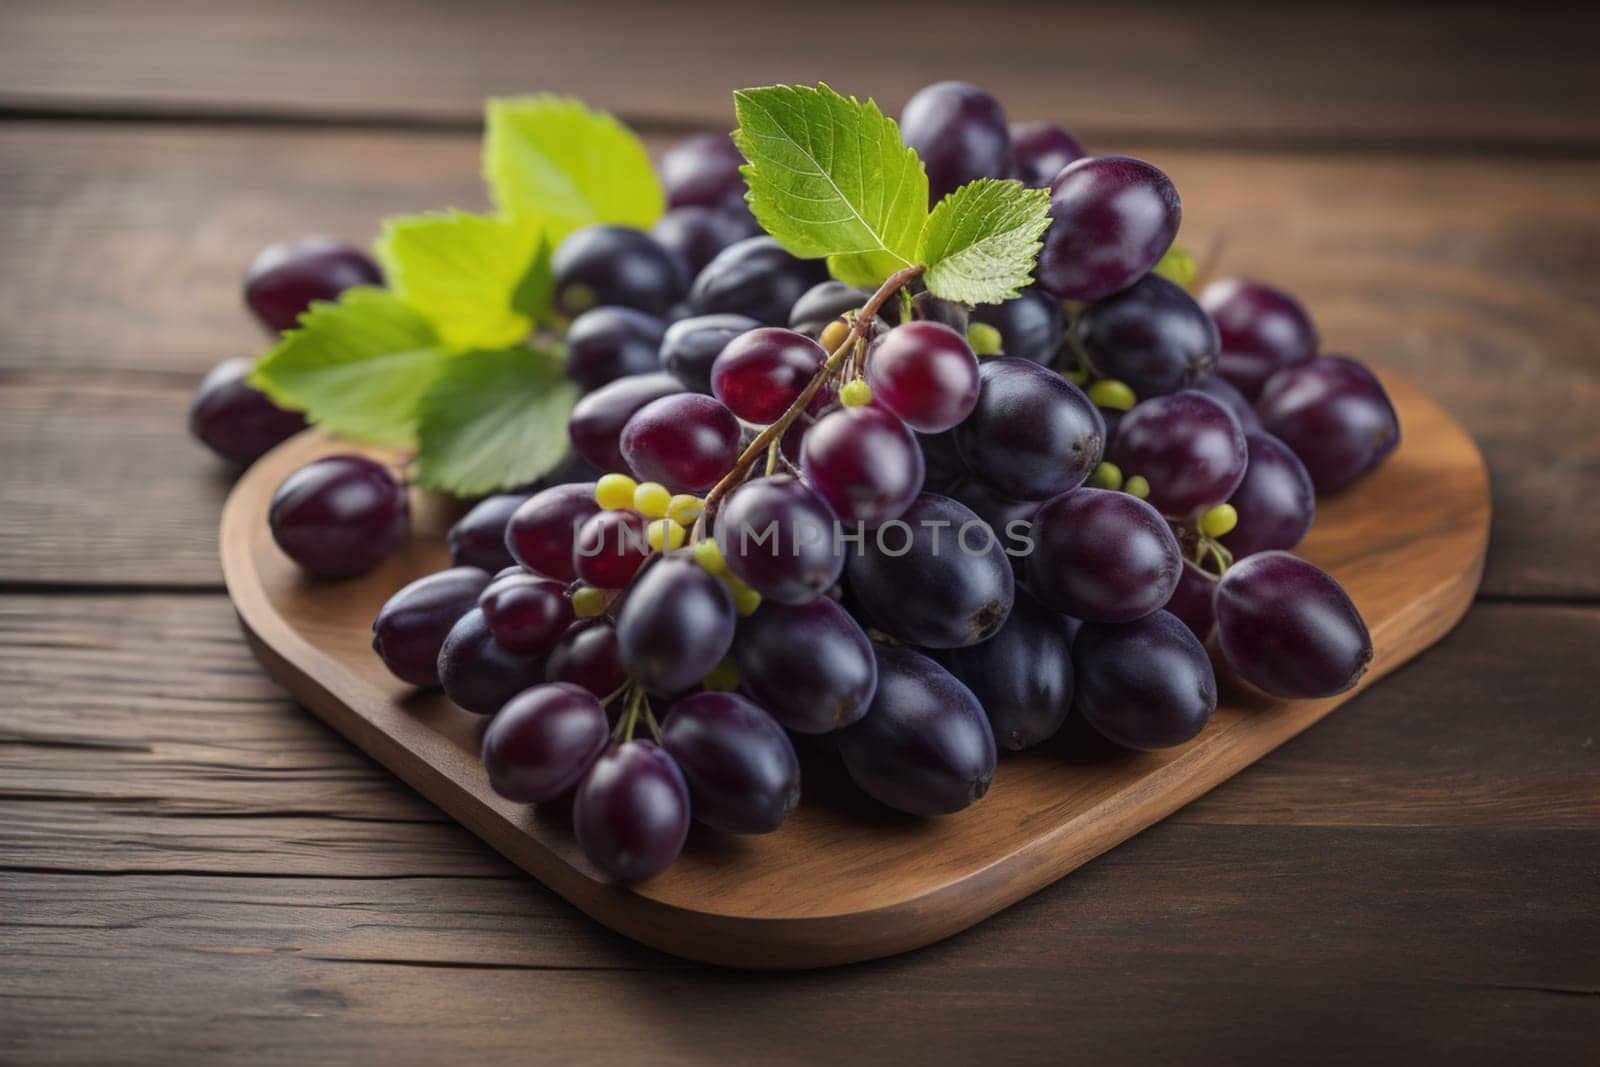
point(829, 176)
point(1178, 266)
point(552, 162)
point(494, 420)
point(981, 241)
point(357, 367)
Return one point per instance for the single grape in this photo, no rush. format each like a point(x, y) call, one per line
point(810, 665)
point(1289, 628)
point(1111, 219)
point(754, 277)
point(696, 234)
point(676, 624)
point(940, 580)
point(411, 626)
point(760, 373)
point(1033, 434)
point(479, 673)
point(686, 442)
point(542, 532)
point(1041, 150)
point(1222, 391)
point(587, 656)
point(1151, 336)
point(825, 302)
point(924, 746)
point(925, 373)
point(631, 813)
point(691, 346)
point(603, 265)
point(1031, 326)
point(1144, 684)
point(610, 547)
point(597, 419)
point(1262, 329)
point(744, 777)
point(865, 463)
point(1275, 502)
point(1335, 416)
point(1193, 602)
point(959, 133)
point(235, 420)
point(1187, 446)
point(527, 613)
point(778, 535)
point(478, 538)
point(339, 516)
point(542, 743)
point(1022, 676)
point(285, 278)
point(702, 170)
point(608, 343)
point(1102, 556)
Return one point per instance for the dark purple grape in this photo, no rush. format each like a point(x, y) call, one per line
point(236, 421)
point(759, 374)
point(411, 626)
point(702, 170)
point(1144, 684)
point(1193, 602)
point(1033, 434)
point(1289, 628)
point(1151, 336)
point(779, 536)
point(1022, 675)
point(1187, 446)
point(865, 463)
point(1112, 218)
point(479, 673)
point(924, 746)
point(604, 265)
point(588, 657)
point(823, 303)
point(754, 277)
point(959, 132)
point(936, 577)
point(1031, 326)
point(1275, 502)
point(691, 346)
point(810, 665)
point(339, 516)
point(527, 613)
point(696, 234)
point(1040, 150)
point(744, 777)
point(1102, 556)
point(543, 530)
point(610, 547)
point(1335, 416)
point(925, 307)
point(1219, 389)
point(478, 539)
point(608, 343)
point(542, 743)
point(596, 422)
point(631, 814)
point(676, 624)
point(1011, 520)
point(285, 278)
point(1263, 330)
point(686, 442)
point(925, 373)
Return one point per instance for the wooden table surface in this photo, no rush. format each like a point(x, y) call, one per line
point(191, 866)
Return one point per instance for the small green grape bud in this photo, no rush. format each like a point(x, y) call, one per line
point(1138, 486)
point(1219, 520)
point(587, 601)
point(1106, 476)
point(1177, 265)
point(724, 677)
point(985, 339)
point(856, 394)
point(833, 335)
point(1113, 395)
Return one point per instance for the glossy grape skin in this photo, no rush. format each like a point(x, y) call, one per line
point(696, 234)
point(754, 277)
point(608, 343)
point(929, 586)
point(824, 302)
point(587, 656)
point(597, 419)
point(527, 613)
point(809, 665)
point(1335, 416)
point(339, 516)
point(1112, 218)
point(743, 774)
point(778, 535)
point(1022, 676)
point(543, 530)
point(1275, 503)
point(1289, 628)
point(1262, 330)
point(542, 743)
point(691, 346)
point(686, 442)
point(864, 462)
point(925, 373)
point(1102, 556)
point(1193, 602)
point(675, 625)
point(1031, 326)
point(631, 813)
point(283, 279)
point(1187, 446)
point(610, 547)
point(959, 132)
point(615, 266)
point(924, 746)
point(1040, 150)
point(1151, 336)
point(477, 672)
point(411, 626)
point(478, 538)
point(701, 170)
point(1222, 391)
point(235, 420)
point(1145, 684)
point(1033, 434)
point(760, 373)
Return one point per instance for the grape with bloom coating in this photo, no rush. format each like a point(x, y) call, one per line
point(1336, 417)
point(1188, 447)
point(587, 656)
point(339, 516)
point(479, 673)
point(411, 626)
point(1111, 218)
point(1033, 434)
point(760, 373)
point(1151, 336)
point(1275, 503)
point(543, 741)
point(676, 624)
point(959, 132)
point(284, 279)
point(778, 650)
point(236, 420)
point(631, 813)
point(597, 419)
point(1288, 628)
point(605, 265)
point(864, 462)
point(1144, 684)
point(609, 343)
point(1041, 150)
point(925, 373)
point(527, 613)
point(478, 538)
point(743, 774)
point(1262, 330)
point(686, 442)
point(777, 535)
point(691, 346)
point(1102, 556)
point(754, 277)
point(1022, 675)
point(542, 532)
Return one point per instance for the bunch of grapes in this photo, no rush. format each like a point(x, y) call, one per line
point(924, 530)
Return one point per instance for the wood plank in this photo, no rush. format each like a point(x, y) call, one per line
point(1469, 75)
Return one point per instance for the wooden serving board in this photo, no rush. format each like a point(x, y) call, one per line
point(844, 879)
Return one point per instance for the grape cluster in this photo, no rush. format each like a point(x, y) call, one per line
point(924, 530)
